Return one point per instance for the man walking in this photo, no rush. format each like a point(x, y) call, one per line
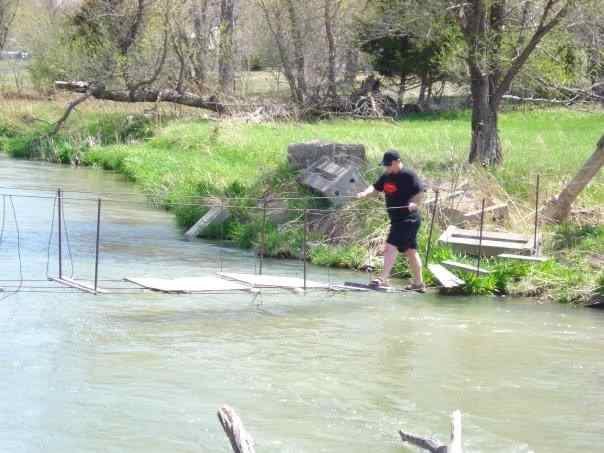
point(403, 191)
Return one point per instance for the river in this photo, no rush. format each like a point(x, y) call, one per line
point(307, 373)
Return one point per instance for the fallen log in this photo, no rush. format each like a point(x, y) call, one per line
point(241, 440)
point(433, 446)
point(99, 91)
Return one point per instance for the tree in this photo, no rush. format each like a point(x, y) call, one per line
point(330, 11)
point(404, 57)
point(293, 68)
point(558, 209)
point(8, 11)
point(500, 37)
point(225, 56)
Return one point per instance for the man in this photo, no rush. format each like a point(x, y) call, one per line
point(403, 191)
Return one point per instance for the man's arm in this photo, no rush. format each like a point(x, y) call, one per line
point(368, 191)
point(415, 201)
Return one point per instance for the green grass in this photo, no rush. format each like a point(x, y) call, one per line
point(214, 155)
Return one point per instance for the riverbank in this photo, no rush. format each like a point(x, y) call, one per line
point(178, 160)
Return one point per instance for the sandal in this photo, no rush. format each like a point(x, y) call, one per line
point(414, 287)
point(379, 282)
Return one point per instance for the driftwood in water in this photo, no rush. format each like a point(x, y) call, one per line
point(241, 440)
point(433, 446)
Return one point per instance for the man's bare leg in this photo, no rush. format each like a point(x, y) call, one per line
point(390, 253)
point(415, 265)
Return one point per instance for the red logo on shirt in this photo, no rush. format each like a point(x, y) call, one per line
point(390, 188)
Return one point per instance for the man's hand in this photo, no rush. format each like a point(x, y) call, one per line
point(368, 191)
point(412, 207)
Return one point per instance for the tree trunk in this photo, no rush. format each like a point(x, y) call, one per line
point(8, 11)
point(401, 91)
point(486, 146)
point(276, 30)
point(558, 209)
point(298, 43)
point(422, 90)
point(199, 11)
point(329, 17)
point(99, 91)
point(351, 66)
point(225, 57)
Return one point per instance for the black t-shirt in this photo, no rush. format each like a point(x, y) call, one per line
point(398, 189)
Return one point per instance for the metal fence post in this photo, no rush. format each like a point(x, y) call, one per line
point(60, 231)
point(429, 246)
point(480, 238)
point(263, 237)
point(98, 242)
point(537, 189)
point(304, 238)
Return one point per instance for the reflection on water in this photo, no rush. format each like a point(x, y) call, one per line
point(307, 373)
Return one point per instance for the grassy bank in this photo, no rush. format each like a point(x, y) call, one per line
point(177, 160)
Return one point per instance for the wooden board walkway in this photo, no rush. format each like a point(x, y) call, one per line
point(271, 281)
point(493, 243)
point(70, 283)
point(465, 267)
point(446, 279)
point(189, 285)
point(383, 289)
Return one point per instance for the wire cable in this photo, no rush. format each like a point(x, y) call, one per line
point(67, 240)
point(52, 224)
point(20, 286)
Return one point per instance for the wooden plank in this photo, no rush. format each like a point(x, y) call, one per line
point(497, 210)
point(188, 285)
point(77, 285)
point(217, 214)
point(446, 279)
point(271, 281)
point(365, 287)
point(465, 267)
point(454, 232)
point(536, 259)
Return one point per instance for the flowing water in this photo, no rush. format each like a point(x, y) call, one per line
point(307, 373)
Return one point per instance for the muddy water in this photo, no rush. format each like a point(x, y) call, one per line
point(308, 373)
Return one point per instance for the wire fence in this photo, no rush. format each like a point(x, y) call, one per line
point(438, 205)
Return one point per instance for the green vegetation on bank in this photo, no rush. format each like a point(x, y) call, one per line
point(181, 160)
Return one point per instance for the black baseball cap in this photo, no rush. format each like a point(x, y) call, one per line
point(390, 156)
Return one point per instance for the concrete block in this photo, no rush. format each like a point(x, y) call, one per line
point(304, 155)
point(337, 181)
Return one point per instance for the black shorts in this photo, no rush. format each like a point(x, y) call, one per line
point(403, 234)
